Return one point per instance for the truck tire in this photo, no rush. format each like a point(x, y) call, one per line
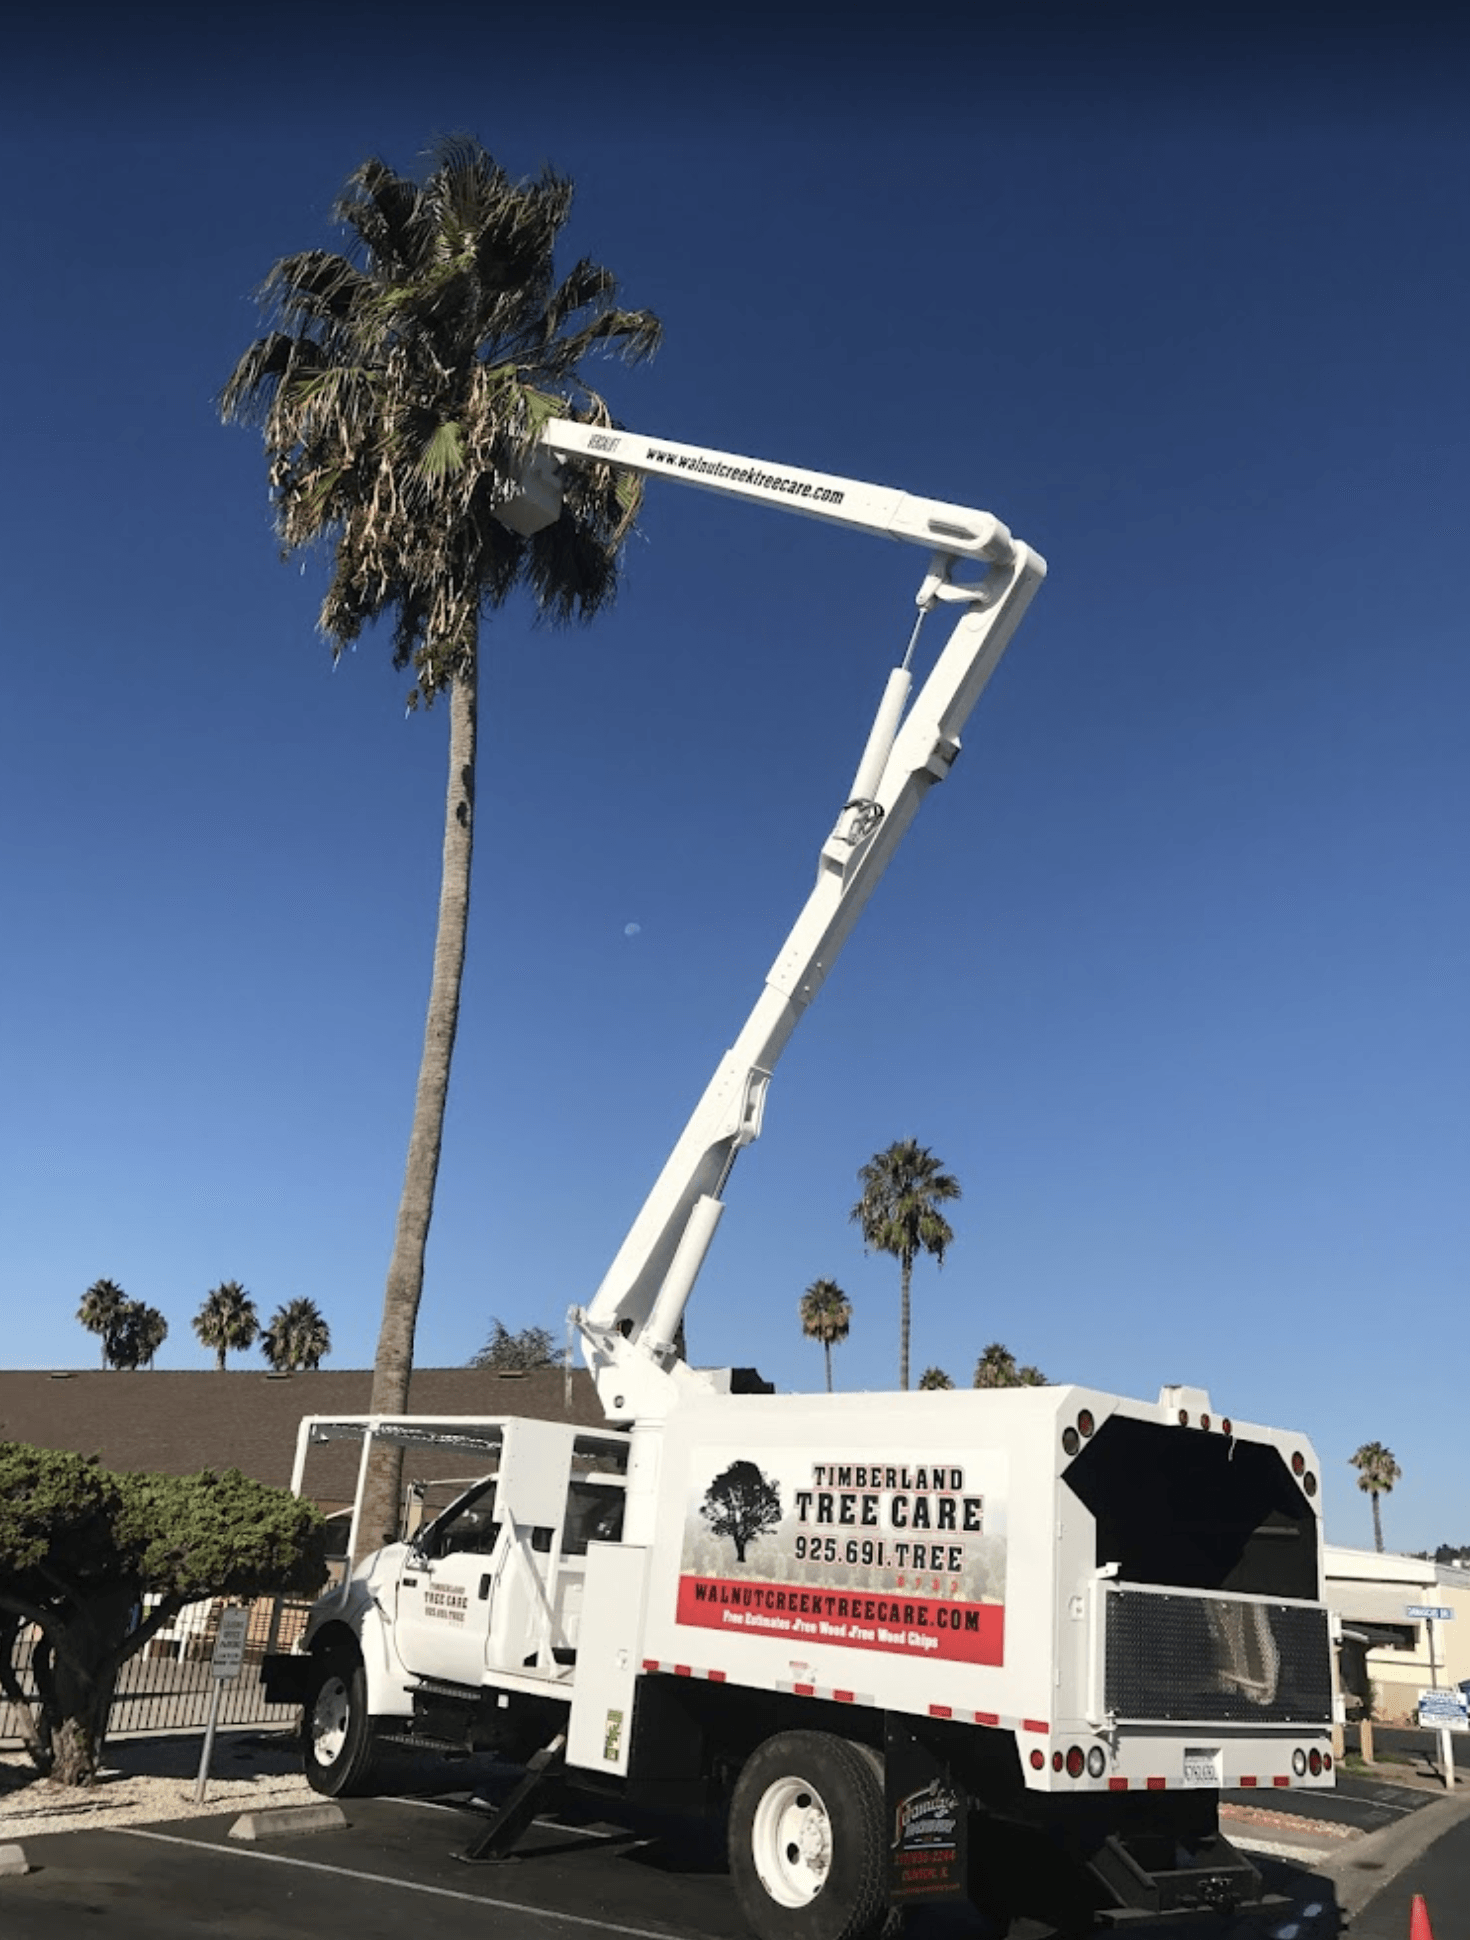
point(337, 1732)
point(808, 1853)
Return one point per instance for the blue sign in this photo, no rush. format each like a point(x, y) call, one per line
point(1440, 1612)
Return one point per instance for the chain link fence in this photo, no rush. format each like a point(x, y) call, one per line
point(167, 1685)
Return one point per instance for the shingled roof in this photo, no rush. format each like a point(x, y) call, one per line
point(178, 1422)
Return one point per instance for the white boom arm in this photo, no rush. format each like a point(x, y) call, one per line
point(629, 1327)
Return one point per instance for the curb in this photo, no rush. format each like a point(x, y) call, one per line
point(286, 1820)
point(1370, 1863)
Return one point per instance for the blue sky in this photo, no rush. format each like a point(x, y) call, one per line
point(1171, 974)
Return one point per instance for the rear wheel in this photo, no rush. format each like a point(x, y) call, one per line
point(807, 1850)
point(339, 1732)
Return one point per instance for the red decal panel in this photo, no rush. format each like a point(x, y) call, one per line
point(936, 1628)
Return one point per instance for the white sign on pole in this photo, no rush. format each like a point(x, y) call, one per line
point(229, 1643)
point(227, 1661)
point(1444, 1709)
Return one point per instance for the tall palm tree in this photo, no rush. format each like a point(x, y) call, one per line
point(903, 1189)
point(826, 1315)
point(400, 390)
point(99, 1310)
point(297, 1337)
point(227, 1321)
point(1377, 1473)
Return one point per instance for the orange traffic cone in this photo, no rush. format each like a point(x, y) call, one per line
point(1419, 1927)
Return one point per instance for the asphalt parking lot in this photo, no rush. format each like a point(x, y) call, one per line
point(394, 1866)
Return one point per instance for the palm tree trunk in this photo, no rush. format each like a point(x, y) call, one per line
point(394, 1363)
point(906, 1274)
point(827, 1350)
point(1377, 1525)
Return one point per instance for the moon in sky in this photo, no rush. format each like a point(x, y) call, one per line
point(631, 929)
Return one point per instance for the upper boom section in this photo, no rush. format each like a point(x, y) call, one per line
point(629, 1328)
point(953, 529)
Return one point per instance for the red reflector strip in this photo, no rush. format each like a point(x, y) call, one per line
point(987, 1717)
point(1281, 1781)
point(717, 1677)
point(1155, 1784)
point(1247, 1783)
point(650, 1663)
point(941, 1711)
point(682, 1670)
point(805, 1690)
point(842, 1697)
point(1034, 1724)
point(1117, 1785)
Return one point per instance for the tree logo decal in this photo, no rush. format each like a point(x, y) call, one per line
point(741, 1504)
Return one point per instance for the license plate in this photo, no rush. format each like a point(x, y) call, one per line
point(1202, 1768)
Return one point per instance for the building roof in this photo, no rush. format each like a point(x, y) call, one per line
point(178, 1422)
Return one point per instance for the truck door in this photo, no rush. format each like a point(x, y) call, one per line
point(446, 1590)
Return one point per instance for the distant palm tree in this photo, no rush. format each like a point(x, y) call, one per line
point(934, 1377)
point(996, 1368)
point(134, 1336)
point(99, 1310)
point(227, 1321)
point(1377, 1473)
point(903, 1189)
point(401, 390)
point(826, 1315)
point(297, 1337)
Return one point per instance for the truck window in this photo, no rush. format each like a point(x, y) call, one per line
point(594, 1514)
point(466, 1528)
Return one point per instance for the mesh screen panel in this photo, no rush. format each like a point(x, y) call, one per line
point(1215, 1659)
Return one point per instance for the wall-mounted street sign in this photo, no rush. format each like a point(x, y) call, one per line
point(1423, 1612)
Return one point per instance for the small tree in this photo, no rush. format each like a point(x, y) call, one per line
point(1377, 1473)
point(935, 1377)
point(99, 1308)
point(297, 1337)
point(518, 1353)
point(227, 1321)
point(80, 1550)
point(996, 1368)
point(903, 1189)
point(134, 1336)
point(826, 1315)
point(740, 1503)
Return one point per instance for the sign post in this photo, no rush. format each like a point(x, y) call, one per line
point(229, 1655)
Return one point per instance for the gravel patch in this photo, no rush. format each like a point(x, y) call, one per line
point(145, 1781)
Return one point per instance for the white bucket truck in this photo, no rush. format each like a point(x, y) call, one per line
point(1007, 1645)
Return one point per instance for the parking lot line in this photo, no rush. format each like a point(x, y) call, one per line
point(404, 1885)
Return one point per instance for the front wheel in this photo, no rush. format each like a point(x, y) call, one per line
point(807, 1851)
point(339, 1732)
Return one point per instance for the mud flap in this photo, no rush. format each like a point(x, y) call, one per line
point(928, 1820)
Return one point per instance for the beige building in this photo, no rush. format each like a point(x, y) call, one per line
point(1399, 1654)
